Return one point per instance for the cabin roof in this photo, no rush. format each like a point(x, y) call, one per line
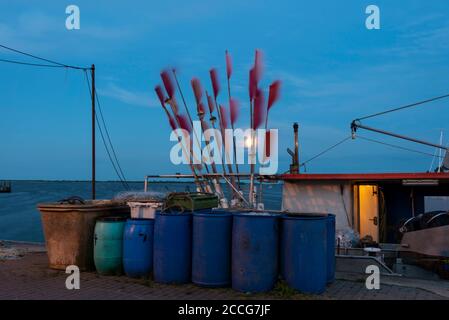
point(372, 177)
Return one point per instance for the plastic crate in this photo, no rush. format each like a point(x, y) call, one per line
point(191, 201)
point(144, 209)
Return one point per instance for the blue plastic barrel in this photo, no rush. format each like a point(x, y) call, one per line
point(138, 247)
point(255, 239)
point(211, 248)
point(281, 258)
point(305, 258)
point(330, 248)
point(172, 248)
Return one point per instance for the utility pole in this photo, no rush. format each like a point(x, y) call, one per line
point(93, 131)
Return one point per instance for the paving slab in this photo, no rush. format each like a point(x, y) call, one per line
point(28, 277)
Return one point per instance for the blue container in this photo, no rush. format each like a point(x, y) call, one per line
point(305, 257)
point(172, 249)
point(281, 251)
point(211, 248)
point(108, 245)
point(138, 247)
point(255, 240)
point(330, 248)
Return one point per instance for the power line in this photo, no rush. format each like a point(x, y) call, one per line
point(55, 64)
point(31, 64)
point(122, 179)
point(43, 59)
point(398, 147)
point(105, 144)
point(405, 107)
point(109, 138)
point(124, 183)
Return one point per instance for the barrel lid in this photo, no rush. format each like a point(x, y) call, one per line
point(112, 219)
point(212, 213)
point(173, 213)
point(258, 214)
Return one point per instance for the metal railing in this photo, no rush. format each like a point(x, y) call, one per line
point(219, 176)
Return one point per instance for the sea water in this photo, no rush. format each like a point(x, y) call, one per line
point(20, 219)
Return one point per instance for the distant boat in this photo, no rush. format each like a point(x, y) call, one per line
point(5, 186)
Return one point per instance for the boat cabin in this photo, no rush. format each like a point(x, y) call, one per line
point(374, 205)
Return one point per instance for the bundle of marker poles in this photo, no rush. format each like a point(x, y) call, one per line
point(207, 182)
point(200, 112)
point(179, 121)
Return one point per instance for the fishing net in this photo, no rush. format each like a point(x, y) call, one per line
point(139, 196)
point(16, 250)
point(11, 253)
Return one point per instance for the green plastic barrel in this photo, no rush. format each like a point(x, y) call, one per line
point(108, 239)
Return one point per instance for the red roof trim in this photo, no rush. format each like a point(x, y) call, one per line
point(364, 176)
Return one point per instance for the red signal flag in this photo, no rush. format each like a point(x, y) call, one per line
point(215, 83)
point(224, 117)
point(252, 84)
point(267, 144)
point(211, 103)
point(274, 93)
point(168, 83)
point(160, 95)
point(184, 123)
point(172, 121)
point(259, 109)
point(197, 90)
point(201, 109)
point(234, 110)
point(258, 66)
point(228, 65)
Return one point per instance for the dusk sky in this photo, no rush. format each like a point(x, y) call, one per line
point(332, 67)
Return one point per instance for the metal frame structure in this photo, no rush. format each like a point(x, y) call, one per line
point(261, 178)
point(356, 124)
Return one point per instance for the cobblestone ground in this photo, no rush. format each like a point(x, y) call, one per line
point(30, 278)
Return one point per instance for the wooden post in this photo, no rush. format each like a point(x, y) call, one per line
point(93, 132)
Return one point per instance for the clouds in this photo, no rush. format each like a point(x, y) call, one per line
point(128, 97)
point(39, 31)
point(424, 36)
point(431, 42)
point(332, 69)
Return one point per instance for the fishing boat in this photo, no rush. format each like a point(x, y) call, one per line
point(376, 213)
point(5, 186)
